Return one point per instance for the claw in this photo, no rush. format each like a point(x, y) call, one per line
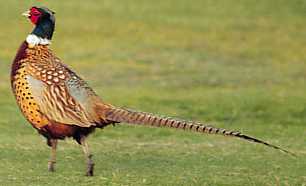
point(90, 169)
point(51, 167)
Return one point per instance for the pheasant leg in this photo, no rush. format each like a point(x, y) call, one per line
point(52, 160)
point(88, 156)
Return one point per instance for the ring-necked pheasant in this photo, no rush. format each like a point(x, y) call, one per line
point(59, 104)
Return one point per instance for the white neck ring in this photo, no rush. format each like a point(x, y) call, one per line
point(34, 40)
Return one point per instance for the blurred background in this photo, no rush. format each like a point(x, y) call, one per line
point(236, 64)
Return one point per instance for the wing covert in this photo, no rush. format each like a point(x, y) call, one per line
point(66, 100)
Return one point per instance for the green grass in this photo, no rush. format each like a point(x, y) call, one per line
point(238, 64)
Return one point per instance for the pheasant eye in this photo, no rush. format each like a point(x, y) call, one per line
point(36, 13)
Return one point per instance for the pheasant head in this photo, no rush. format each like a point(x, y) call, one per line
point(44, 22)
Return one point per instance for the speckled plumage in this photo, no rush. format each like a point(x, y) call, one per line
point(22, 91)
point(49, 93)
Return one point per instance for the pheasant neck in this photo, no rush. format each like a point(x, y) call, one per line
point(44, 29)
point(42, 33)
point(34, 40)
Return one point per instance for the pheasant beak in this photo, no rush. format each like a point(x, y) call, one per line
point(26, 14)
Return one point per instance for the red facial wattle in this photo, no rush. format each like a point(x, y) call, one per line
point(34, 15)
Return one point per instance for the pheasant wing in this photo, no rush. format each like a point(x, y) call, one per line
point(66, 100)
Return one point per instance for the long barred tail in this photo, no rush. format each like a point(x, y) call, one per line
point(134, 117)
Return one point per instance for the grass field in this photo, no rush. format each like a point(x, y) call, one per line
point(237, 64)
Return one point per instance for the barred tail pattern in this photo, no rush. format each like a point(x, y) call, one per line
point(142, 118)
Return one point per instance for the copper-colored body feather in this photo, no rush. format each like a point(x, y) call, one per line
point(42, 86)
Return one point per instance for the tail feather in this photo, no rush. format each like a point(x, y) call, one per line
point(142, 118)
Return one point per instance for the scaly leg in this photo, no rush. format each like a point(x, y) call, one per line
point(52, 160)
point(88, 156)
